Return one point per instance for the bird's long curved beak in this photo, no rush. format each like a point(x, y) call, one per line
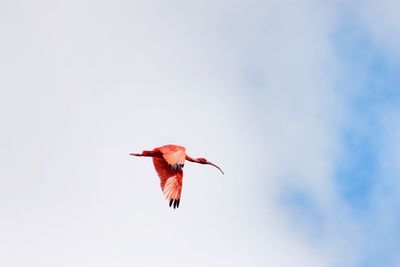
point(216, 167)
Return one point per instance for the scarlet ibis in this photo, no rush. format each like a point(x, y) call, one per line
point(168, 161)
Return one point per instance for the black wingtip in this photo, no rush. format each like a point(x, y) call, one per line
point(174, 203)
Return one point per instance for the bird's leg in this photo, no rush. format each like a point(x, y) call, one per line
point(146, 153)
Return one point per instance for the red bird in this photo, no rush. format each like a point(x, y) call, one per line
point(168, 161)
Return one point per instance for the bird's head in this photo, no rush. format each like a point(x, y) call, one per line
point(204, 161)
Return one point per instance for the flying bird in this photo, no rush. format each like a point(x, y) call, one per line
point(168, 161)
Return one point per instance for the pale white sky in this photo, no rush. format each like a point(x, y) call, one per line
point(250, 86)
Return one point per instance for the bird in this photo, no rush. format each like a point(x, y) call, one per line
point(169, 161)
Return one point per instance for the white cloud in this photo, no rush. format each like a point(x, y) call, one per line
point(380, 18)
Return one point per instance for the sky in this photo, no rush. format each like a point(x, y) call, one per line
point(297, 101)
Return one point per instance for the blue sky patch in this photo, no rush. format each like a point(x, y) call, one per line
point(371, 83)
point(303, 209)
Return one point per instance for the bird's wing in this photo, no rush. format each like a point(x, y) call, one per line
point(170, 180)
point(174, 155)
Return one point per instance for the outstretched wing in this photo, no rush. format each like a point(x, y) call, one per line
point(174, 155)
point(170, 180)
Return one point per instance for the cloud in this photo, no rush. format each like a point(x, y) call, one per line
point(372, 65)
point(380, 18)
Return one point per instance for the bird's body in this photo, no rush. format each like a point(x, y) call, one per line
point(168, 161)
